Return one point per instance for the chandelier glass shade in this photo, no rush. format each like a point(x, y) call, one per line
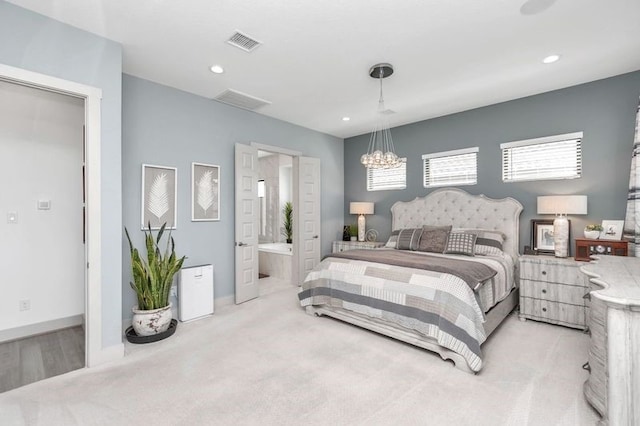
point(381, 152)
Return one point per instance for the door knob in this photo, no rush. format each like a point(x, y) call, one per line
point(240, 244)
point(315, 236)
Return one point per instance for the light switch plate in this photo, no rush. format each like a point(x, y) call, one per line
point(12, 217)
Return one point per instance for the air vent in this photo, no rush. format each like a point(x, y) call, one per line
point(241, 100)
point(243, 41)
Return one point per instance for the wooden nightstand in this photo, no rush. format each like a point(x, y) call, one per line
point(586, 248)
point(553, 290)
point(339, 246)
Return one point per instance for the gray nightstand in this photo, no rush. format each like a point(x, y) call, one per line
point(553, 290)
point(339, 246)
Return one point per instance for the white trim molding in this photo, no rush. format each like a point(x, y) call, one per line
point(94, 353)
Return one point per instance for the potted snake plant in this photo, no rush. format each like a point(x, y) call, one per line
point(152, 280)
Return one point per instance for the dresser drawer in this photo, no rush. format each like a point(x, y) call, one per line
point(553, 312)
point(554, 292)
point(552, 273)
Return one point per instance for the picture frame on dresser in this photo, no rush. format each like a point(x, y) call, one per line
point(612, 230)
point(542, 236)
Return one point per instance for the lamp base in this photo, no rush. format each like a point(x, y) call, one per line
point(361, 227)
point(561, 236)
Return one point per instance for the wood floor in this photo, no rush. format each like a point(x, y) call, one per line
point(39, 357)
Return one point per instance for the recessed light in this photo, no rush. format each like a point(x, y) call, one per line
point(216, 69)
point(346, 118)
point(551, 59)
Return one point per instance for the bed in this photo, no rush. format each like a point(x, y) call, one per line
point(445, 303)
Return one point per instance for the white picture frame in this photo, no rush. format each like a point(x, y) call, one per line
point(205, 192)
point(159, 195)
point(612, 230)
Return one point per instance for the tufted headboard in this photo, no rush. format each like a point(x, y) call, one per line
point(452, 206)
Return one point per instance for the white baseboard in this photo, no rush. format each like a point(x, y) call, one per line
point(105, 355)
point(224, 301)
point(40, 328)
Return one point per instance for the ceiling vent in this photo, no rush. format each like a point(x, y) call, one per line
point(241, 100)
point(387, 112)
point(243, 41)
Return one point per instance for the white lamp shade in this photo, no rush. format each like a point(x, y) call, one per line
point(562, 204)
point(361, 207)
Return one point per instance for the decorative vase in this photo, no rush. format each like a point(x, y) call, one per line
point(592, 235)
point(154, 321)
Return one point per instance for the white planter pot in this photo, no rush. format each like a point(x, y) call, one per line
point(592, 235)
point(148, 323)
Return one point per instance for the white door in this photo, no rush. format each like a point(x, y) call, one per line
point(246, 245)
point(306, 223)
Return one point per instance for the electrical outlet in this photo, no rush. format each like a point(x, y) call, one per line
point(24, 305)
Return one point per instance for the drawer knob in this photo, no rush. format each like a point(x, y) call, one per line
point(587, 296)
point(544, 309)
point(587, 367)
point(544, 272)
point(544, 291)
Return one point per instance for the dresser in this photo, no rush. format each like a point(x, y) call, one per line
point(613, 386)
point(552, 290)
point(339, 246)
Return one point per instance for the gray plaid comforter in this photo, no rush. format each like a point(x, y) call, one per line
point(435, 304)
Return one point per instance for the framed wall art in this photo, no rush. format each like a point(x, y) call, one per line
point(611, 229)
point(159, 194)
point(542, 236)
point(205, 192)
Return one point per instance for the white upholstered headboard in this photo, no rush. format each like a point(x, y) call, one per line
point(452, 206)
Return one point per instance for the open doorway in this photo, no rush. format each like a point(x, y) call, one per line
point(275, 223)
point(306, 217)
point(42, 251)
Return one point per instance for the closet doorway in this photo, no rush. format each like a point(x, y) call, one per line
point(42, 249)
point(92, 248)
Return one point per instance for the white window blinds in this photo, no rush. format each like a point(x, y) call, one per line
point(386, 179)
point(459, 167)
point(552, 157)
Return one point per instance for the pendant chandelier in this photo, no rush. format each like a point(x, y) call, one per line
point(381, 153)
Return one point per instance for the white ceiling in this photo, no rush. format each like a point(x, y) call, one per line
point(449, 55)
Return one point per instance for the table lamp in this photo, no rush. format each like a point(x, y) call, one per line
point(361, 208)
point(561, 206)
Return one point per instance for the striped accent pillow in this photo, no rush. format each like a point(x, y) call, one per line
point(409, 239)
point(461, 243)
point(489, 243)
point(392, 242)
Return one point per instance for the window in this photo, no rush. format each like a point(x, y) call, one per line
point(552, 157)
point(459, 167)
point(386, 179)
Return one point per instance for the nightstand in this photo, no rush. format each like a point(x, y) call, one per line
point(339, 246)
point(585, 248)
point(553, 290)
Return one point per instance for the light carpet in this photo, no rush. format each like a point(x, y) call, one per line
point(266, 362)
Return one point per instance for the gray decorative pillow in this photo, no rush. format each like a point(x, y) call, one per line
point(434, 238)
point(461, 243)
point(392, 242)
point(409, 239)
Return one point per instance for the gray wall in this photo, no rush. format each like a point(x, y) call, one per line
point(165, 126)
point(37, 43)
point(604, 110)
